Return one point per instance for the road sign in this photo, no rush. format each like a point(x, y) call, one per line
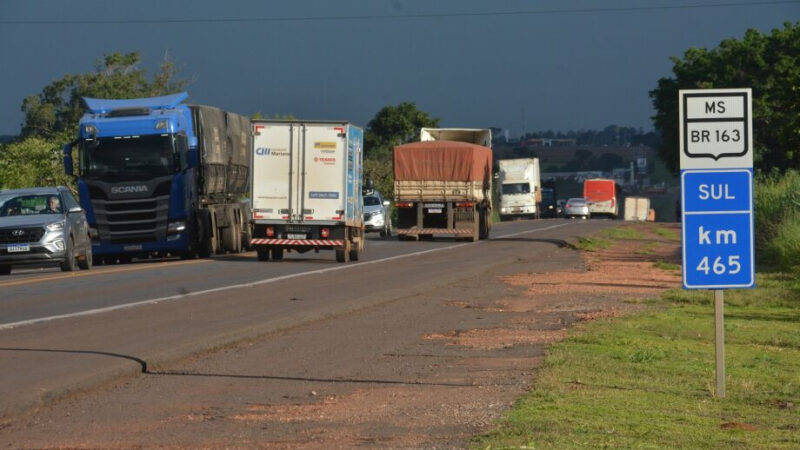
point(717, 188)
point(716, 148)
point(716, 129)
point(717, 229)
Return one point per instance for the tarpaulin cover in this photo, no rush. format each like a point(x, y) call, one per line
point(442, 161)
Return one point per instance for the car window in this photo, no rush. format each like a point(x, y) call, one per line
point(26, 204)
point(371, 201)
point(576, 201)
point(69, 200)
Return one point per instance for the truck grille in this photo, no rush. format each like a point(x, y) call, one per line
point(133, 220)
point(21, 235)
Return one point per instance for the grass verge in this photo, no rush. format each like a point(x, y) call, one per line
point(647, 381)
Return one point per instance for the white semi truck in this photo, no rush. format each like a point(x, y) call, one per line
point(520, 188)
point(306, 188)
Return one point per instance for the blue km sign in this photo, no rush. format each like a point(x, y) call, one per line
point(717, 188)
point(717, 229)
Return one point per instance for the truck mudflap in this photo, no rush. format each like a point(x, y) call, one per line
point(417, 231)
point(299, 242)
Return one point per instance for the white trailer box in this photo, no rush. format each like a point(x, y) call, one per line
point(479, 136)
point(306, 188)
point(637, 208)
point(520, 188)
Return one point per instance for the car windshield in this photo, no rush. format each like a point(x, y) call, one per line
point(372, 201)
point(29, 205)
point(129, 158)
point(576, 202)
point(516, 188)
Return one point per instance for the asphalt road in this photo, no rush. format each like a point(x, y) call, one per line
point(63, 333)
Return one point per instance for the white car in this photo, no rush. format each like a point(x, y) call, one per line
point(577, 207)
point(376, 214)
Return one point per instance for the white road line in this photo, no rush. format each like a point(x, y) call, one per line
point(91, 312)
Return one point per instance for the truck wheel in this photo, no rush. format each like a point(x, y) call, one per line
point(343, 254)
point(5, 269)
point(263, 254)
point(355, 252)
point(484, 225)
point(277, 254)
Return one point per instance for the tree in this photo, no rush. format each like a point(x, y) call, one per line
point(33, 161)
point(395, 125)
point(769, 64)
point(59, 106)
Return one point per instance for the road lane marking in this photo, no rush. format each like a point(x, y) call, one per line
point(142, 266)
point(91, 312)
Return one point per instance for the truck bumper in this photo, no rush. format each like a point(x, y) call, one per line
point(170, 244)
point(314, 243)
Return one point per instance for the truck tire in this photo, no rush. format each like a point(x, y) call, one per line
point(355, 251)
point(5, 269)
point(484, 225)
point(343, 254)
point(277, 253)
point(262, 254)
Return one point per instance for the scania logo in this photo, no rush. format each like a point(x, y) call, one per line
point(128, 189)
point(18, 233)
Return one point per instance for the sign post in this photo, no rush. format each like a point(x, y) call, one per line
point(716, 154)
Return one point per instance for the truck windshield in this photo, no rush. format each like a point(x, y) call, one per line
point(516, 188)
point(129, 157)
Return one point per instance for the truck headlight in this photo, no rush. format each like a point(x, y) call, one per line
point(176, 227)
point(56, 226)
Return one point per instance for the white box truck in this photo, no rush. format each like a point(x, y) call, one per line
point(637, 208)
point(306, 188)
point(520, 188)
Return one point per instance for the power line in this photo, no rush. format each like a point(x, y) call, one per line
point(393, 16)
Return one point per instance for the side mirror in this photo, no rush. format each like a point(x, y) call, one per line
point(75, 209)
point(67, 149)
point(192, 159)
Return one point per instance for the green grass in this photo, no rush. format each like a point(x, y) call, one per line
point(667, 233)
point(623, 232)
point(647, 381)
point(666, 265)
point(777, 219)
point(592, 244)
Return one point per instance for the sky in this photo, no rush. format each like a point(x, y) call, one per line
point(517, 65)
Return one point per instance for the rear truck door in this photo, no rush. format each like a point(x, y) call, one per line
point(324, 172)
point(274, 168)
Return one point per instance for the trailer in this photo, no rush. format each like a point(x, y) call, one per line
point(306, 188)
point(443, 188)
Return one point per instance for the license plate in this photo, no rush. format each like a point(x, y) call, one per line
point(435, 210)
point(132, 248)
point(295, 236)
point(18, 248)
point(517, 209)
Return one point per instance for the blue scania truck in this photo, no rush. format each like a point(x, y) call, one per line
point(160, 177)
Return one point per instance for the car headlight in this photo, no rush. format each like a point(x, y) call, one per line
point(56, 226)
point(176, 227)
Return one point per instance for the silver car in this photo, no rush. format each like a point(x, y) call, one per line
point(42, 225)
point(577, 207)
point(376, 214)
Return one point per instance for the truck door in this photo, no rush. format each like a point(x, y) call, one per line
point(275, 173)
point(323, 167)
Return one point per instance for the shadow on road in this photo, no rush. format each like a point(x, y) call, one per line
point(560, 243)
point(146, 371)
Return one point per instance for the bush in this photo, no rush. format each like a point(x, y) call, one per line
point(777, 208)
